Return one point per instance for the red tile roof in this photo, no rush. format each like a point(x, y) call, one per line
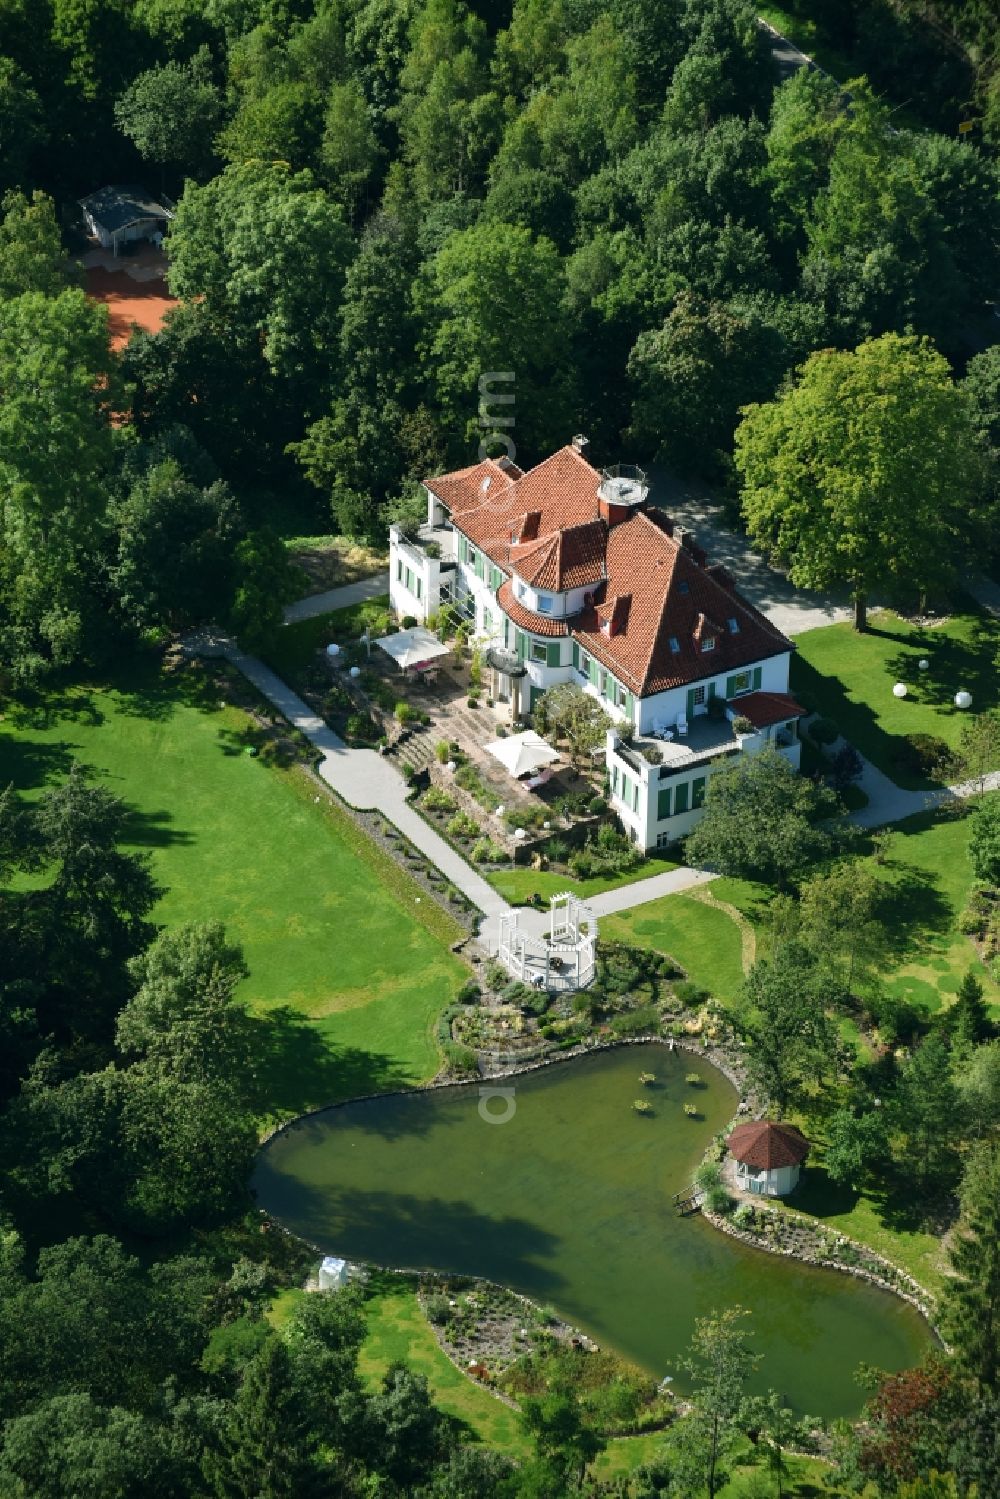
point(766, 1146)
point(674, 600)
point(561, 491)
point(766, 708)
point(463, 490)
point(547, 523)
point(527, 619)
point(571, 558)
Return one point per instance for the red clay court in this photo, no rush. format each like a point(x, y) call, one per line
point(133, 289)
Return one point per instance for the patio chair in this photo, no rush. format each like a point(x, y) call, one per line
point(682, 726)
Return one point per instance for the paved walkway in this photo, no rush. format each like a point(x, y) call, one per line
point(337, 598)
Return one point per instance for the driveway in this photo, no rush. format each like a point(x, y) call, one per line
point(792, 609)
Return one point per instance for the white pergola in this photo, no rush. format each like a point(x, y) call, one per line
point(565, 959)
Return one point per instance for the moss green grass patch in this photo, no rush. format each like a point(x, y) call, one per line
point(849, 678)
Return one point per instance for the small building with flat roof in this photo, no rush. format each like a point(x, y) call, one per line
point(117, 215)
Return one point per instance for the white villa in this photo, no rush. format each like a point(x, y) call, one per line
point(768, 1157)
point(567, 575)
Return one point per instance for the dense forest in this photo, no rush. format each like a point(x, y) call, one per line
point(377, 203)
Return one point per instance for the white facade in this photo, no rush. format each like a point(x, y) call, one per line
point(658, 800)
point(776, 1182)
point(661, 802)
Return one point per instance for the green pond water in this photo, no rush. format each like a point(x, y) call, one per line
point(569, 1201)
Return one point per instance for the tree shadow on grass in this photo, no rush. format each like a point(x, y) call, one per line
point(914, 911)
point(28, 762)
point(154, 830)
point(300, 1069)
point(954, 664)
point(150, 690)
point(40, 709)
point(856, 721)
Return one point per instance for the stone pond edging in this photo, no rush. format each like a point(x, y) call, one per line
point(726, 1063)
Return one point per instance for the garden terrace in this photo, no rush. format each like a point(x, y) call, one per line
point(706, 739)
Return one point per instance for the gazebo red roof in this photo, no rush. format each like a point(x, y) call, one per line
point(766, 1145)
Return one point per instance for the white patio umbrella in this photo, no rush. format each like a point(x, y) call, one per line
point(522, 754)
point(408, 647)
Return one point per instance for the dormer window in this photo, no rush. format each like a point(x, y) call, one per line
point(515, 537)
point(486, 483)
point(708, 644)
point(544, 603)
point(605, 627)
point(675, 645)
point(520, 589)
point(733, 625)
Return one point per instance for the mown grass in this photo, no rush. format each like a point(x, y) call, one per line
point(849, 678)
point(518, 885)
point(399, 1331)
point(704, 940)
point(348, 958)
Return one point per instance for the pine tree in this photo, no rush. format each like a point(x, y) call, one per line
point(972, 1295)
point(264, 1450)
point(970, 1016)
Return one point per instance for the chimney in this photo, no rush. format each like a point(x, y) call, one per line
point(580, 444)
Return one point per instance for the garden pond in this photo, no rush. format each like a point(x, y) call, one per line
point(558, 1188)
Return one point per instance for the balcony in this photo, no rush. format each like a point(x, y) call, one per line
point(706, 739)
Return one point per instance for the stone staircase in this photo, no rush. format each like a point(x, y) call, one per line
point(414, 747)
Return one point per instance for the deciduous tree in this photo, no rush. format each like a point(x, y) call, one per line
point(861, 472)
point(762, 821)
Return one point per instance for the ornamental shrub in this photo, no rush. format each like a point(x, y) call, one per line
point(823, 731)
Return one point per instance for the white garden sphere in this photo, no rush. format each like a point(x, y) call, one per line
point(963, 699)
point(899, 690)
point(520, 833)
point(923, 663)
point(355, 671)
point(332, 650)
point(451, 765)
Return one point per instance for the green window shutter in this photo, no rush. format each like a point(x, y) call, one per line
point(663, 804)
point(690, 703)
point(730, 686)
point(576, 656)
point(681, 799)
point(758, 672)
point(592, 670)
point(553, 655)
point(480, 565)
point(614, 777)
point(712, 691)
point(698, 791)
point(635, 797)
point(522, 644)
point(463, 549)
point(630, 705)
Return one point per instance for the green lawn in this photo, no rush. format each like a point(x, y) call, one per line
point(518, 884)
point(849, 678)
point(348, 958)
point(398, 1329)
point(295, 645)
point(704, 940)
point(929, 868)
